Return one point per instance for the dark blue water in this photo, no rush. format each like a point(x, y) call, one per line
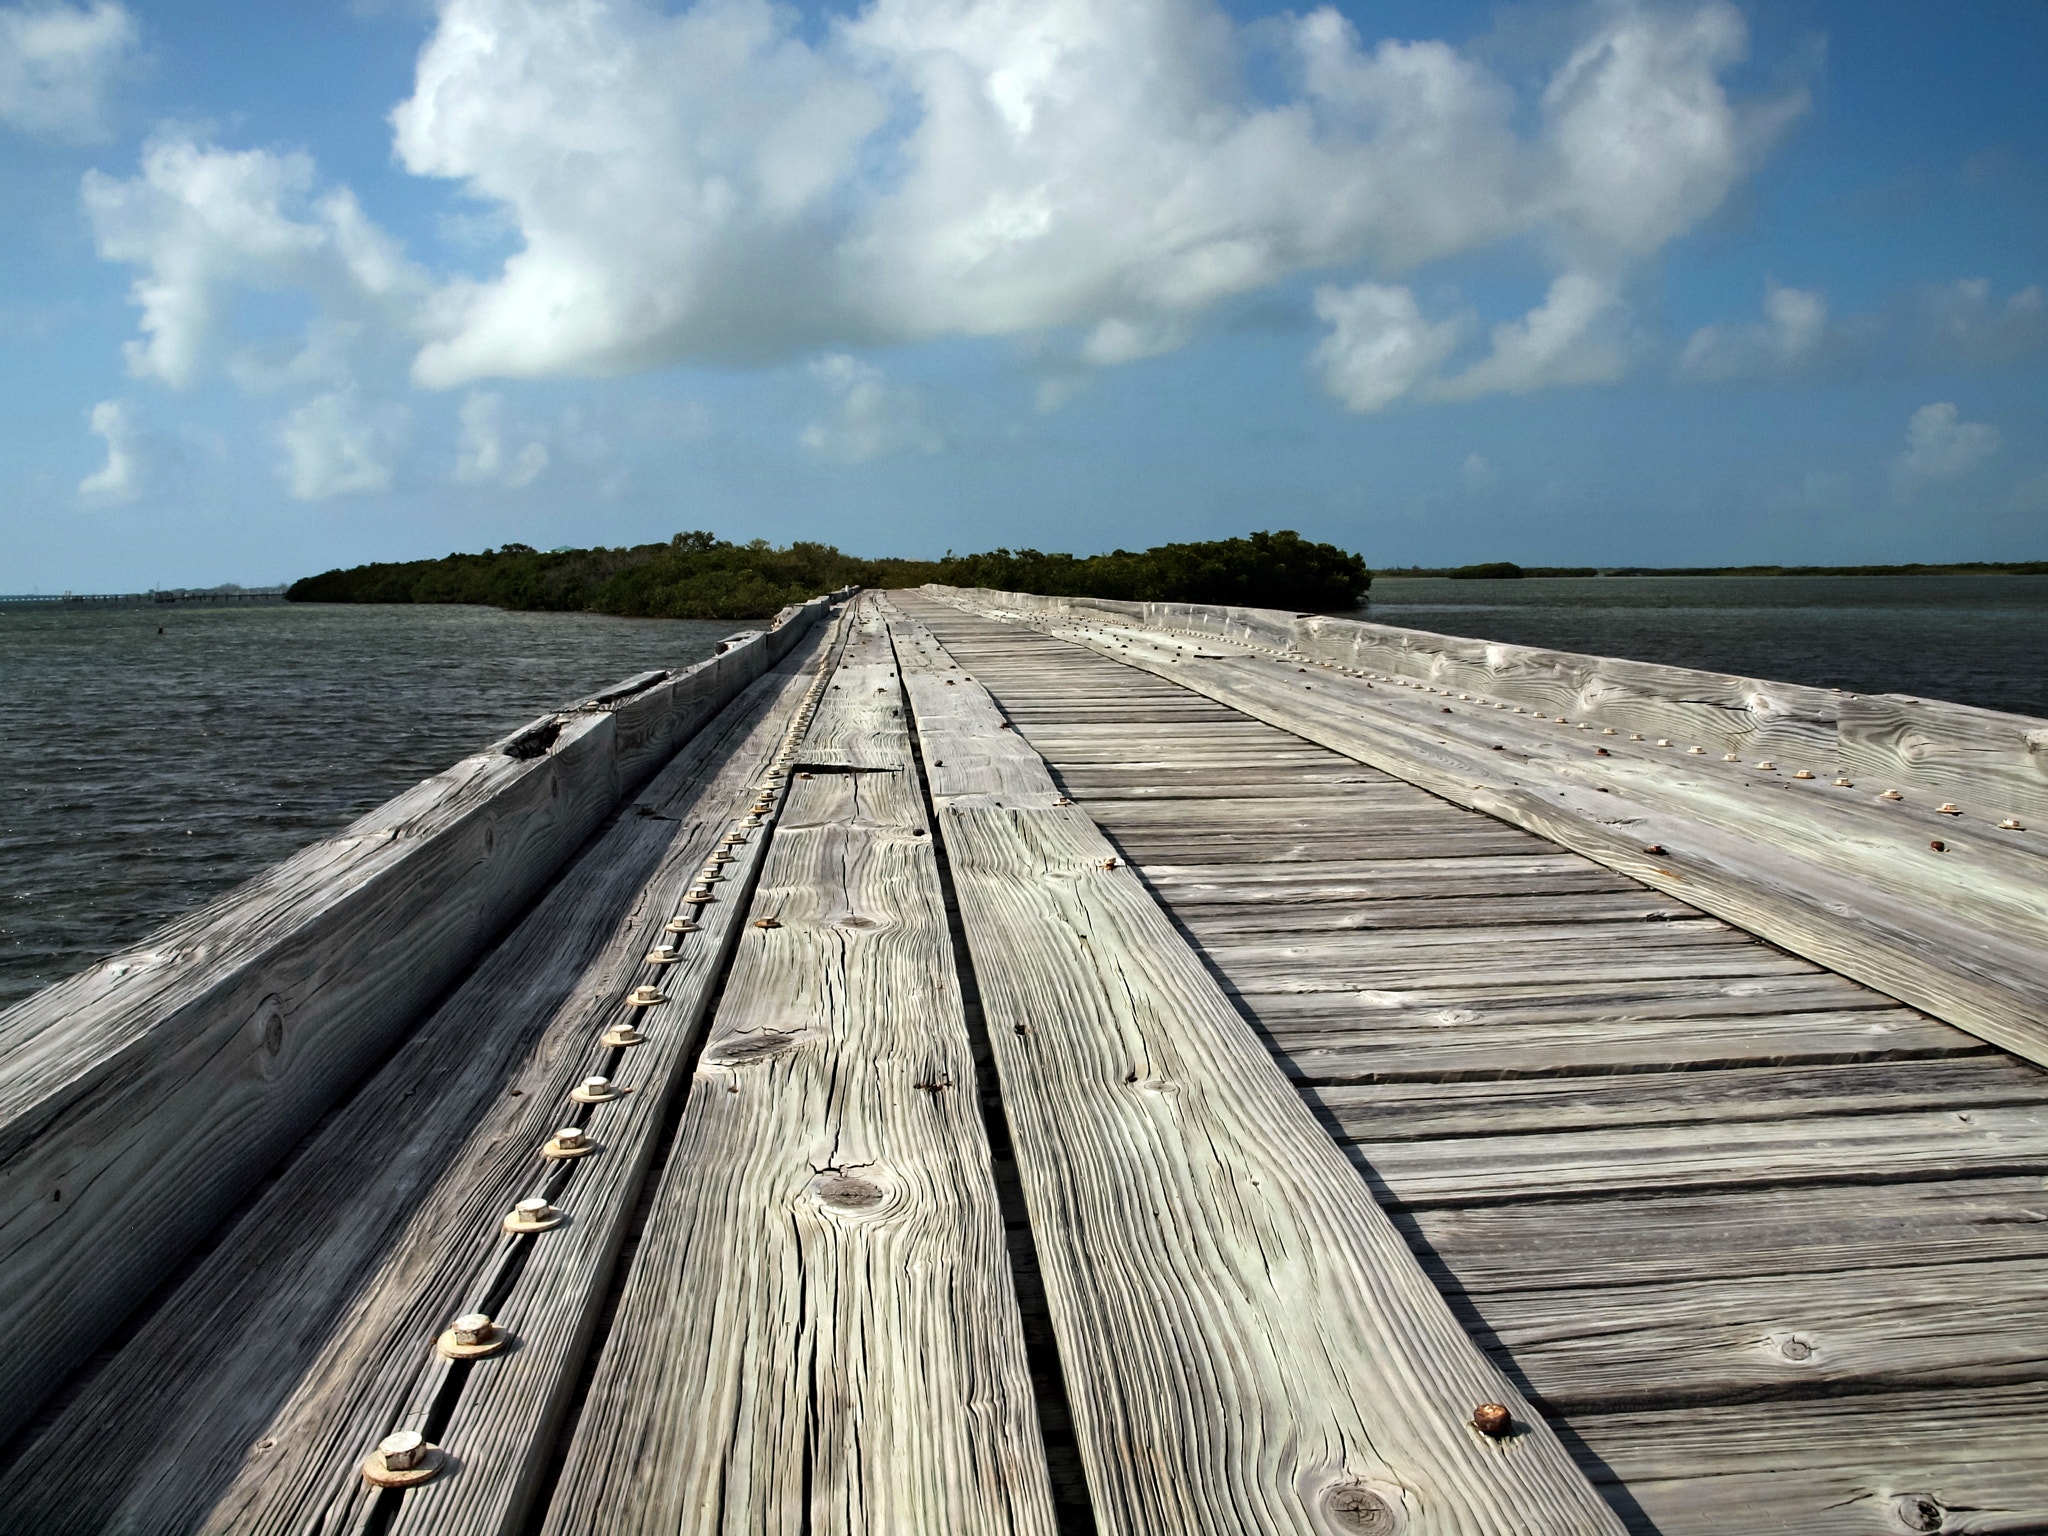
point(142, 774)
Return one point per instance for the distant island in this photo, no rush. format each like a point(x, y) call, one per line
point(1507, 570)
point(700, 576)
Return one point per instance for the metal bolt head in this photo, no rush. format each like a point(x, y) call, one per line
point(570, 1136)
point(403, 1450)
point(1802, 774)
point(1493, 1420)
point(1949, 808)
point(2011, 824)
point(1843, 784)
point(535, 1209)
point(473, 1328)
point(1663, 741)
point(681, 925)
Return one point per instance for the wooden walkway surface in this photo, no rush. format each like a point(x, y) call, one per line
point(1770, 1249)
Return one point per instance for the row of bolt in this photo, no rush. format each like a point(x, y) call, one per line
point(406, 1457)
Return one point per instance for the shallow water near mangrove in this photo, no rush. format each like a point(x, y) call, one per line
point(143, 774)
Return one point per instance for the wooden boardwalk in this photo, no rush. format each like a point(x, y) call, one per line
point(984, 1083)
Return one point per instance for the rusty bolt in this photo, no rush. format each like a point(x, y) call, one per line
point(766, 922)
point(1602, 752)
point(1655, 848)
point(1938, 845)
point(1493, 1420)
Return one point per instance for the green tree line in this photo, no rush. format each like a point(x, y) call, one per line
point(699, 576)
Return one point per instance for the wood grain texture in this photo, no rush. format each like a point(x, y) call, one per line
point(1246, 1341)
point(1412, 1111)
point(245, 1400)
point(1878, 1465)
point(1724, 1340)
point(1973, 1142)
point(1531, 1246)
point(1958, 931)
point(819, 1332)
point(238, 1024)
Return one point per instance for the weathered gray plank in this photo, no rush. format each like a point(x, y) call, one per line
point(1924, 1144)
point(1882, 1465)
point(1247, 1344)
point(1412, 1111)
point(1726, 1340)
point(238, 1024)
point(1525, 1247)
point(246, 1399)
point(819, 1331)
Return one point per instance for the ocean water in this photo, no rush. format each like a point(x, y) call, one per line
point(1979, 640)
point(144, 773)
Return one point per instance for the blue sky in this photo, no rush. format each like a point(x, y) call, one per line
point(284, 288)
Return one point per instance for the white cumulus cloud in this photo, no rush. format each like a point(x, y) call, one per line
point(119, 480)
point(482, 456)
point(1379, 346)
point(1577, 335)
point(727, 182)
point(58, 64)
point(1791, 335)
point(340, 444)
point(1941, 446)
point(869, 417)
point(201, 222)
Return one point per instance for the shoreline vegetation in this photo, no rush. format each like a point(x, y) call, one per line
point(1507, 570)
point(700, 576)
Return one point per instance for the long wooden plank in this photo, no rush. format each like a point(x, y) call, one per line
point(819, 1332)
point(237, 1025)
point(1247, 1344)
point(1724, 1340)
point(1883, 911)
point(1544, 1245)
point(1882, 1465)
point(250, 1394)
point(1974, 1142)
point(1412, 1111)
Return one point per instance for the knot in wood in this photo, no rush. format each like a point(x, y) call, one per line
point(1917, 1512)
point(847, 1193)
point(1796, 1349)
point(1355, 1507)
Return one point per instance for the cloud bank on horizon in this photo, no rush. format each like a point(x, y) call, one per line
point(736, 185)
